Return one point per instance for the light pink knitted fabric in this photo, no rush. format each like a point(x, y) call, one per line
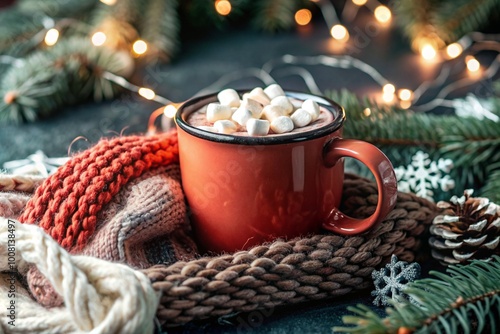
point(145, 224)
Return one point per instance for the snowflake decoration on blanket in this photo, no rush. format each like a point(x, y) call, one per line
point(423, 176)
point(391, 280)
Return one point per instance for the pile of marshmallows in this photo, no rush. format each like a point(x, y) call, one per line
point(259, 111)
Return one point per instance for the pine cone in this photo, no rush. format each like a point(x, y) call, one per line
point(468, 229)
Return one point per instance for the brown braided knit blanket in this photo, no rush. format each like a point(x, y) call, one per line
point(287, 272)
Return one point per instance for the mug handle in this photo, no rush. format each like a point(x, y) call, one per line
point(383, 171)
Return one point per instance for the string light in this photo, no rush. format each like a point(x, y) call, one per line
point(389, 89)
point(472, 64)
point(382, 14)
point(454, 50)
point(388, 97)
point(428, 52)
point(108, 2)
point(339, 32)
point(367, 112)
point(405, 104)
point(359, 2)
point(405, 94)
point(146, 93)
point(303, 17)
point(223, 7)
point(99, 38)
point(51, 36)
point(170, 111)
point(140, 47)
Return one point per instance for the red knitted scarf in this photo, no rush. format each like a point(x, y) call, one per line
point(67, 203)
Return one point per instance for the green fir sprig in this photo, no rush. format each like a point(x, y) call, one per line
point(442, 22)
point(465, 300)
point(70, 73)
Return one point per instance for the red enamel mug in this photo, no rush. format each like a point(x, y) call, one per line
point(243, 191)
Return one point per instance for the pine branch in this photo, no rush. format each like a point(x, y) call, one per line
point(442, 22)
point(415, 18)
point(16, 26)
point(70, 72)
point(162, 26)
point(491, 189)
point(465, 299)
point(275, 15)
point(453, 19)
point(56, 8)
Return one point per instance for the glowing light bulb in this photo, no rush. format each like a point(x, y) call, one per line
point(405, 94)
point(146, 93)
point(472, 64)
point(405, 104)
point(367, 112)
point(382, 14)
point(428, 52)
point(303, 17)
point(388, 97)
point(170, 111)
point(359, 2)
point(140, 47)
point(223, 7)
point(108, 2)
point(454, 50)
point(51, 37)
point(389, 89)
point(339, 32)
point(99, 38)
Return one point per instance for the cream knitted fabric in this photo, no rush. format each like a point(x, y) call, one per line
point(145, 224)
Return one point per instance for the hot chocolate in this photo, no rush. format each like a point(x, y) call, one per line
point(261, 112)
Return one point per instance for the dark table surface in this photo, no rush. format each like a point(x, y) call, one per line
point(199, 64)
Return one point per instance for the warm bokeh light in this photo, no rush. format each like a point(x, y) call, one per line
point(170, 111)
point(382, 14)
point(108, 2)
point(405, 104)
point(146, 93)
point(99, 38)
point(303, 17)
point(140, 47)
point(405, 94)
point(51, 37)
point(428, 52)
point(388, 97)
point(472, 64)
point(389, 89)
point(367, 112)
point(454, 50)
point(359, 2)
point(223, 7)
point(339, 32)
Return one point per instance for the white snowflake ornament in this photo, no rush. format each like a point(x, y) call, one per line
point(390, 281)
point(423, 176)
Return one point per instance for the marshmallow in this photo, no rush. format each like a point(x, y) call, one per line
point(273, 91)
point(225, 126)
point(229, 97)
point(282, 124)
point(283, 102)
point(257, 127)
point(272, 112)
point(241, 116)
point(258, 95)
point(207, 128)
point(312, 108)
point(216, 111)
point(301, 118)
point(253, 106)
